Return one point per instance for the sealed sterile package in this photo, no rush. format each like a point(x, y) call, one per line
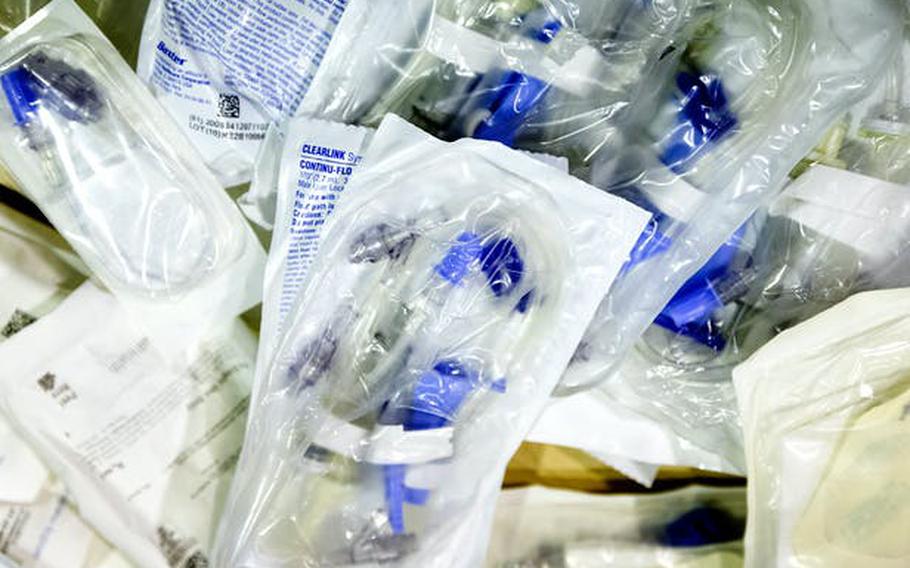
point(842, 226)
point(38, 524)
point(673, 382)
point(696, 526)
point(756, 88)
point(145, 449)
point(34, 277)
point(824, 411)
point(301, 174)
point(694, 110)
point(87, 142)
point(546, 76)
point(224, 71)
point(452, 283)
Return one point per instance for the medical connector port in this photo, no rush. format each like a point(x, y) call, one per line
point(97, 156)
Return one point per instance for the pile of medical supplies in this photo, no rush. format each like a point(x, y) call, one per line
point(454, 283)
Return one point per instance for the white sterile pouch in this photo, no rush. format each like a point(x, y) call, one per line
point(47, 532)
point(35, 275)
point(449, 291)
point(118, 179)
point(145, 450)
point(696, 526)
point(38, 524)
point(224, 71)
point(825, 415)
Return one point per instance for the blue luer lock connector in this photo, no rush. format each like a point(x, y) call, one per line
point(22, 97)
point(713, 286)
point(435, 400)
point(505, 100)
point(701, 526)
point(457, 262)
point(502, 263)
point(703, 117)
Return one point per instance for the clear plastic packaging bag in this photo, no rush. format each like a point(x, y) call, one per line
point(837, 229)
point(536, 527)
point(756, 89)
point(117, 178)
point(452, 284)
point(824, 411)
point(552, 77)
point(694, 110)
point(42, 526)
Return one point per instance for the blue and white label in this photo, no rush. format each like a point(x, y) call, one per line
point(225, 68)
point(317, 162)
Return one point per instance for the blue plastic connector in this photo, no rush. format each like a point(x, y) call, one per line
point(22, 98)
point(689, 311)
point(704, 117)
point(457, 262)
point(701, 527)
point(502, 263)
point(436, 397)
point(540, 26)
point(435, 400)
point(506, 100)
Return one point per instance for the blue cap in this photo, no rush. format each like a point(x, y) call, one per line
point(23, 100)
point(438, 395)
point(703, 118)
point(693, 305)
point(701, 527)
point(540, 26)
point(458, 260)
point(689, 311)
point(510, 98)
point(502, 264)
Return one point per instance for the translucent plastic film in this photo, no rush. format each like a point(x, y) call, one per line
point(554, 77)
point(694, 110)
point(121, 26)
point(451, 286)
point(755, 91)
point(109, 169)
point(537, 527)
point(840, 227)
point(824, 409)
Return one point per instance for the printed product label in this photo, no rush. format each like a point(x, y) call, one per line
point(225, 68)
